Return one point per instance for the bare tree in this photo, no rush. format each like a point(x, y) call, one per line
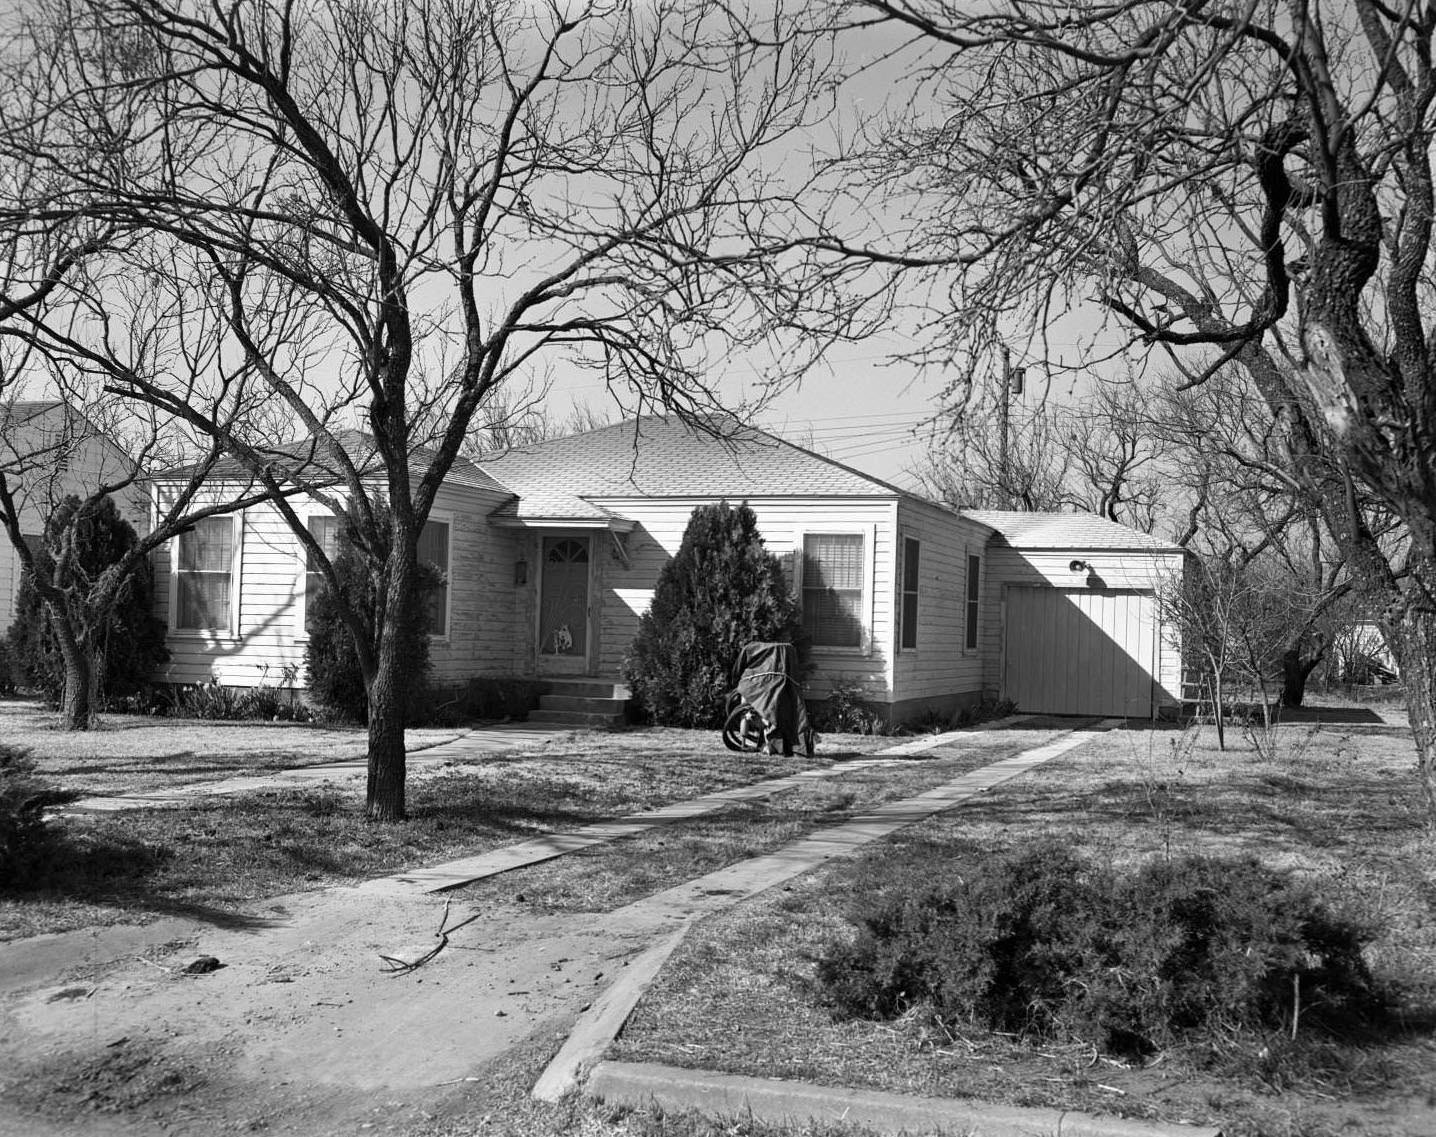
point(1097, 454)
point(1242, 183)
point(383, 214)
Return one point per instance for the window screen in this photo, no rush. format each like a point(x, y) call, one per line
point(974, 597)
point(434, 550)
point(910, 576)
point(325, 530)
point(833, 589)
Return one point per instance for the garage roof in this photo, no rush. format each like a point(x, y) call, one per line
point(1024, 530)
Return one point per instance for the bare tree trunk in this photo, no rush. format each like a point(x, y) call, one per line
point(1219, 708)
point(77, 702)
point(1414, 641)
point(1296, 669)
point(390, 689)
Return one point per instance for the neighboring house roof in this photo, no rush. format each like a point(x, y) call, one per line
point(1065, 531)
point(664, 457)
point(306, 460)
point(13, 414)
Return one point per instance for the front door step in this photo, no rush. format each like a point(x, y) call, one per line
point(591, 703)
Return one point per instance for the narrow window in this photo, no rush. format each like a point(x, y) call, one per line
point(974, 596)
point(204, 576)
point(910, 554)
point(325, 530)
point(833, 589)
point(434, 550)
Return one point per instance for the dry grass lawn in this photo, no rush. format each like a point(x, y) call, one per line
point(134, 753)
point(218, 855)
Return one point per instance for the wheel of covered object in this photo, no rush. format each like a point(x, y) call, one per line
point(743, 731)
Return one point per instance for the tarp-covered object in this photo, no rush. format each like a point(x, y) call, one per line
point(765, 680)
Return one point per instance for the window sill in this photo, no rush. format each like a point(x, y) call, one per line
point(215, 636)
point(846, 652)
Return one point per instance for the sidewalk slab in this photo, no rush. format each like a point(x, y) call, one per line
point(778, 1102)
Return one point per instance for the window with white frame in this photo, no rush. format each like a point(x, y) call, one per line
point(974, 600)
point(911, 554)
point(434, 550)
point(324, 528)
point(204, 569)
point(833, 575)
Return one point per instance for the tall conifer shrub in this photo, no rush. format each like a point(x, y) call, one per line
point(130, 643)
point(722, 590)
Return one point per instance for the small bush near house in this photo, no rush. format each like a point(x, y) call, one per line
point(336, 681)
point(7, 671)
point(722, 590)
point(847, 711)
point(485, 697)
point(24, 798)
point(1045, 944)
point(132, 644)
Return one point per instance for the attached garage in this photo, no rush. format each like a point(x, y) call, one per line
point(1079, 651)
point(1072, 622)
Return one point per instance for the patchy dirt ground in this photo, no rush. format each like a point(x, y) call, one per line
point(304, 1029)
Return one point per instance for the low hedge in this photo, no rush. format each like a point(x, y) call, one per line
point(1048, 945)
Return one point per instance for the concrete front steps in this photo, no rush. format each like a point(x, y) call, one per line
point(582, 702)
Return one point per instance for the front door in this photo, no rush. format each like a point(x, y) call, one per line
point(563, 606)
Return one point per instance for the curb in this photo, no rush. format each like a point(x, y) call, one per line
point(778, 1102)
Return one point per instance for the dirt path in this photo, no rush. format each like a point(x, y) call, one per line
point(306, 1028)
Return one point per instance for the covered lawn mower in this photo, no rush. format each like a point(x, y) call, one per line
point(765, 707)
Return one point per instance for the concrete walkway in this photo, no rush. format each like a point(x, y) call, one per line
point(456, 874)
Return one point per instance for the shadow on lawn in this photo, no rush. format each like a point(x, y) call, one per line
point(213, 860)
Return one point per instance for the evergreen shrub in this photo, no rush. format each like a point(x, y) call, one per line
point(721, 590)
point(133, 643)
point(336, 680)
point(24, 798)
point(1044, 944)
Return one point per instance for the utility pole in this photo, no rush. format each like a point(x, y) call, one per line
point(1013, 379)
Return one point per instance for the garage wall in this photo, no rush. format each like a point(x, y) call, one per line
point(1145, 571)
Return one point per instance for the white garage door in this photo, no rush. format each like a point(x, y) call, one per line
point(1079, 651)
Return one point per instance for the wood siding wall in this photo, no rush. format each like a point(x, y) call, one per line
point(940, 666)
point(483, 637)
point(625, 592)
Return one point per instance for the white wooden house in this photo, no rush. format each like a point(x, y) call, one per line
point(47, 452)
point(551, 553)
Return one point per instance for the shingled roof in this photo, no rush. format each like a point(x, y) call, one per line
point(663, 457)
point(307, 461)
point(1065, 531)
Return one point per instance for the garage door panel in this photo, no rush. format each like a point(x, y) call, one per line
point(1079, 651)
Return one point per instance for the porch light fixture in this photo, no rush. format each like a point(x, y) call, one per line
point(521, 571)
point(1079, 566)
